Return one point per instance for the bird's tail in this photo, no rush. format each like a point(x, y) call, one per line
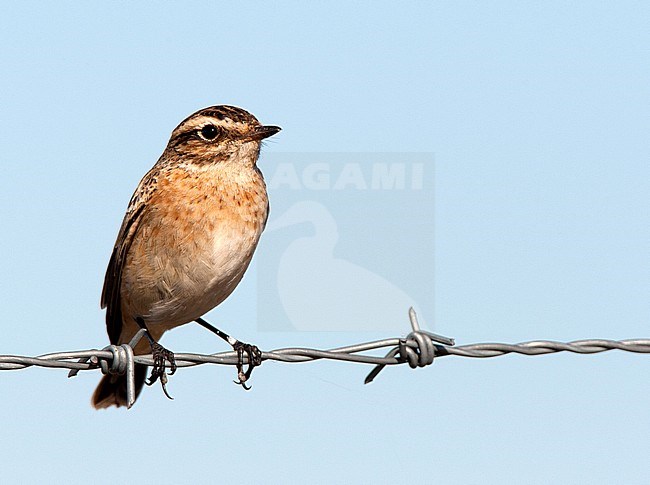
point(111, 390)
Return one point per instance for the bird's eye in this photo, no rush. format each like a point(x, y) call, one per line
point(209, 132)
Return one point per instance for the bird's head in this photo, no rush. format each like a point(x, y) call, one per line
point(218, 134)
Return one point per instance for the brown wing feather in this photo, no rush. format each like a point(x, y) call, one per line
point(111, 297)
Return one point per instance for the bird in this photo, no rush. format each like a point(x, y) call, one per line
point(188, 236)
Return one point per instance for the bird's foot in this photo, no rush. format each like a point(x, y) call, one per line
point(160, 355)
point(254, 359)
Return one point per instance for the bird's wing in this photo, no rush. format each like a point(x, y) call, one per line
point(111, 298)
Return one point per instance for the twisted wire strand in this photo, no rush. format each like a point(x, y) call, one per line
point(418, 349)
point(68, 360)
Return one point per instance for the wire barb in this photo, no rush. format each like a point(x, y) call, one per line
point(121, 362)
point(418, 349)
point(419, 356)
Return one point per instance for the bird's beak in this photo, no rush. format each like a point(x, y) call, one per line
point(262, 132)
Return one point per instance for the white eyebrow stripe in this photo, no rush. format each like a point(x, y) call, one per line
point(201, 121)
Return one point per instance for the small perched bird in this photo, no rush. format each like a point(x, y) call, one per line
point(187, 238)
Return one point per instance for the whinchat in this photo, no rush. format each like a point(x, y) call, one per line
point(188, 235)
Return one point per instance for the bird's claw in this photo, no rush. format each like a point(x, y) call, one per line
point(160, 355)
point(254, 359)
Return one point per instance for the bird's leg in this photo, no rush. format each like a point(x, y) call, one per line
point(253, 354)
point(160, 354)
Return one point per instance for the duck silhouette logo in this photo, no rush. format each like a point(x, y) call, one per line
point(320, 291)
point(323, 270)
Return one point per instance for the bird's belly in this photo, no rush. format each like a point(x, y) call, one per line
point(188, 273)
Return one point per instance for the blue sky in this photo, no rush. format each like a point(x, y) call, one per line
point(537, 119)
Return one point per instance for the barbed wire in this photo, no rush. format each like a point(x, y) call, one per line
point(419, 349)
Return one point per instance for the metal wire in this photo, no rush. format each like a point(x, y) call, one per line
point(418, 349)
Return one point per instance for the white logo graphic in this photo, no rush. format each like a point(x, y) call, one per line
point(322, 292)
